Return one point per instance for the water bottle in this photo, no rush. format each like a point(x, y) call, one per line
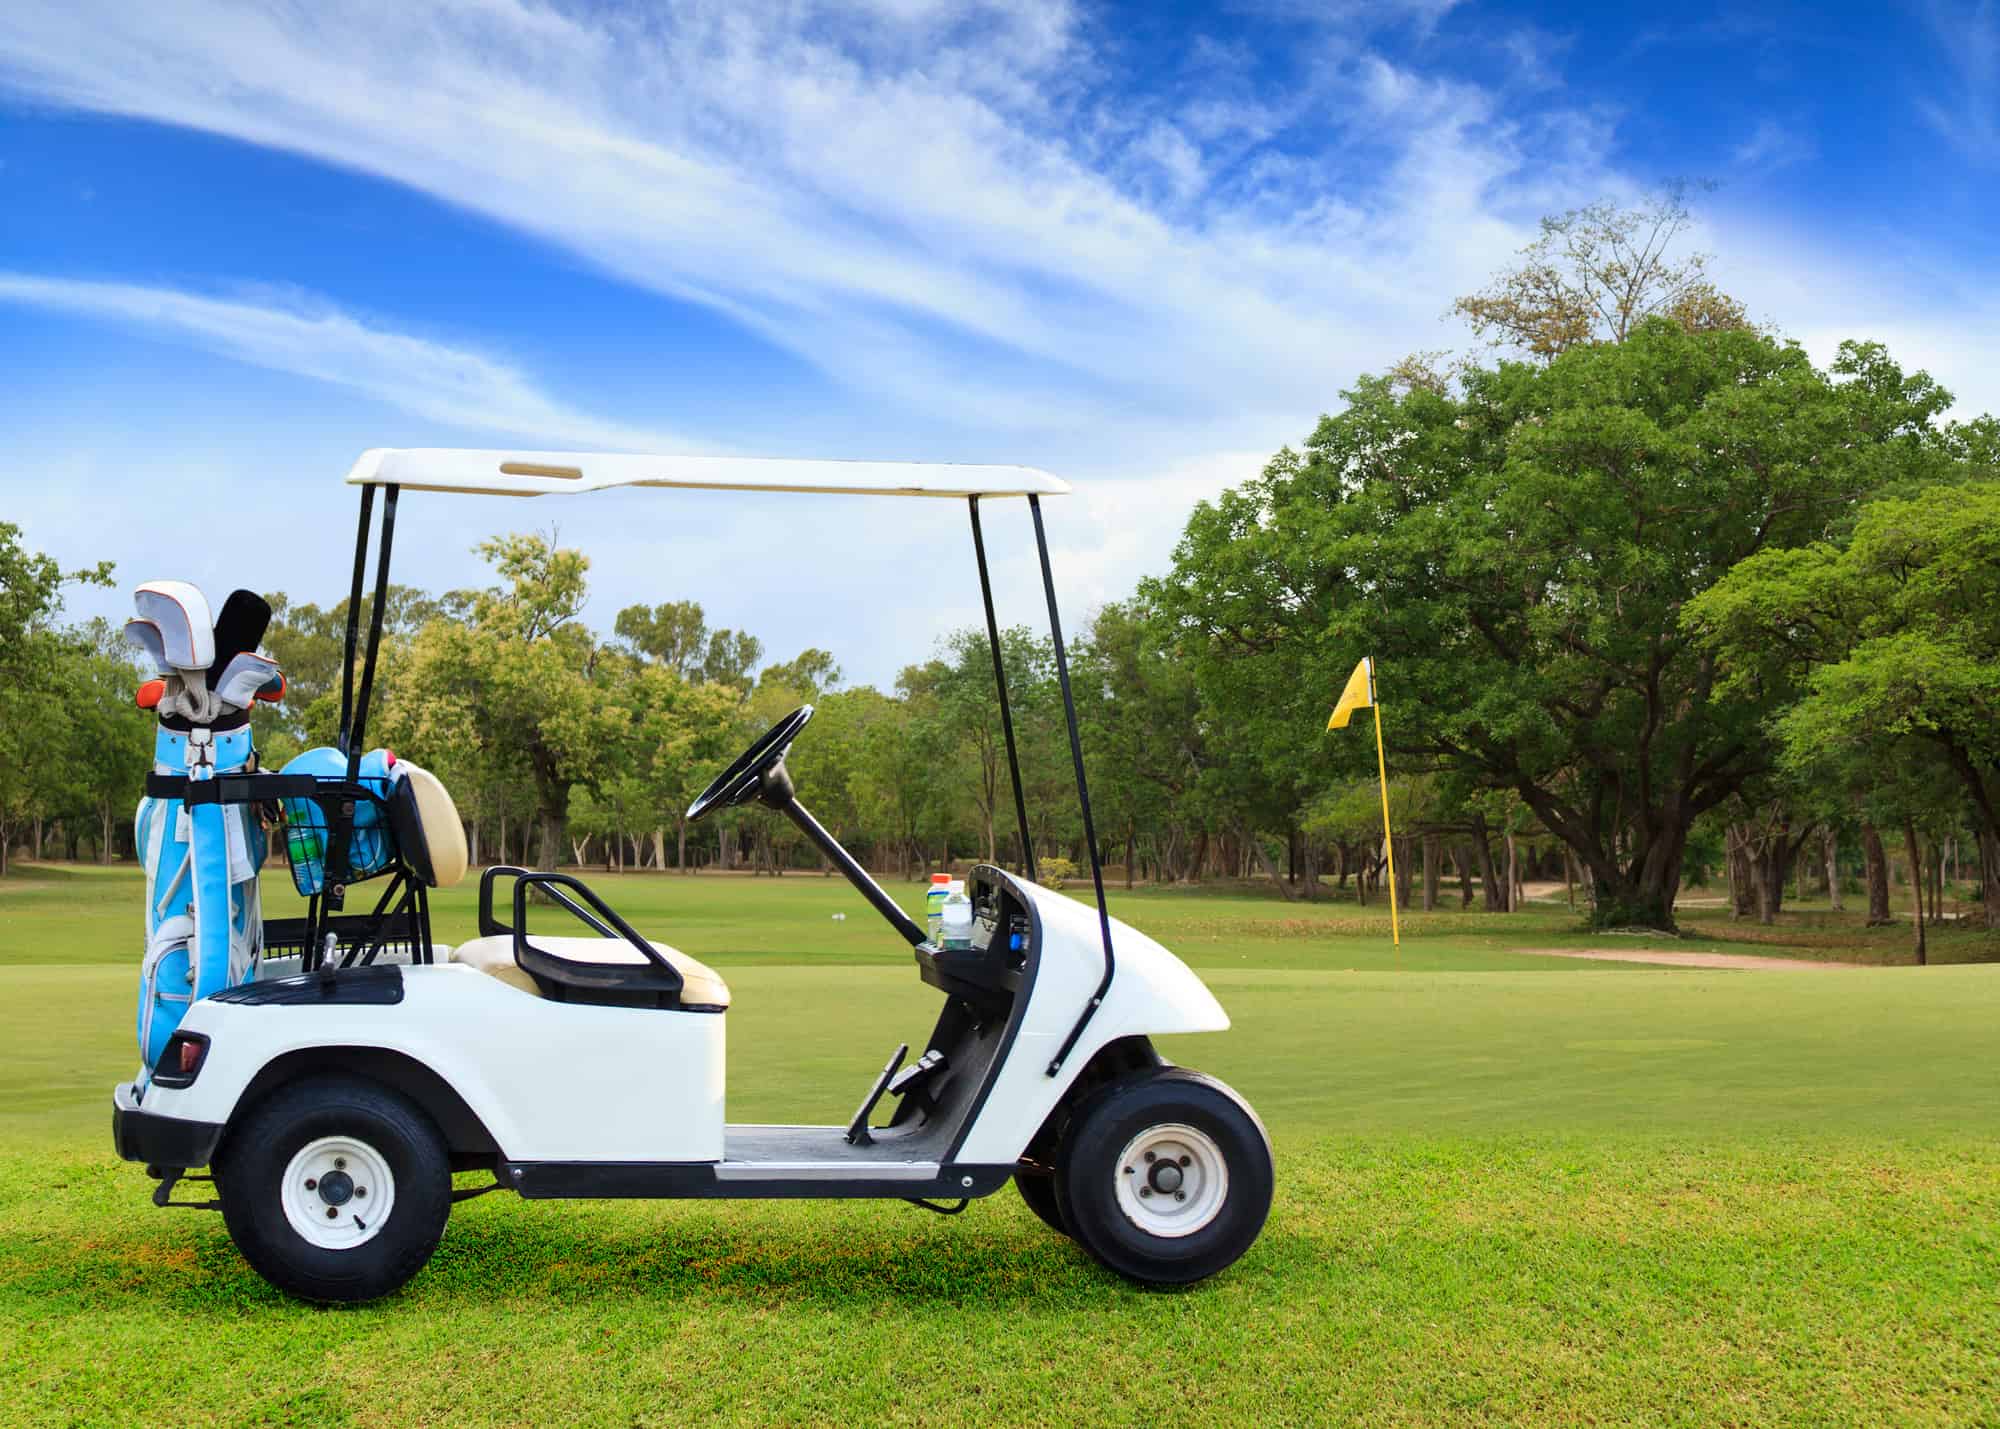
point(934, 907)
point(957, 917)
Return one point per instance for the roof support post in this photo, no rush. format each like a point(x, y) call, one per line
point(1082, 794)
point(354, 613)
point(340, 833)
point(1000, 684)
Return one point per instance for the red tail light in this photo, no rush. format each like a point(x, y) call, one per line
point(180, 1061)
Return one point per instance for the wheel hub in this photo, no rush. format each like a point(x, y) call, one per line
point(337, 1192)
point(1172, 1180)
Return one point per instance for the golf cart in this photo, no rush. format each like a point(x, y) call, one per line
point(578, 1058)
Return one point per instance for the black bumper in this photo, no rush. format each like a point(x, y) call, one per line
point(161, 1140)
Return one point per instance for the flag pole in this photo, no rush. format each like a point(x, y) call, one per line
point(1388, 839)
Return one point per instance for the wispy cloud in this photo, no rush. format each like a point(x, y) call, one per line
point(1775, 145)
point(297, 334)
point(1967, 111)
point(939, 203)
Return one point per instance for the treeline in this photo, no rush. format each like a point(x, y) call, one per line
point(1654, 598)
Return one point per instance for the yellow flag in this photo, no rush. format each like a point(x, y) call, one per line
point(1360, 693)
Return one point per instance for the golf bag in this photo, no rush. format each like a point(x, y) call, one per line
point(204, 925)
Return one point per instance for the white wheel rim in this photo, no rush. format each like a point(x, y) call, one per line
point(338, 1193)
point(1172, 1180)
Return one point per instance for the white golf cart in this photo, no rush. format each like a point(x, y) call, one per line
point(577, 1058)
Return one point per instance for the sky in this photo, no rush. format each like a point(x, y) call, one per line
point(1141, 246)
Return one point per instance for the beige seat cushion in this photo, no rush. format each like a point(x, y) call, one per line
point(494, 956)
point(444, 835)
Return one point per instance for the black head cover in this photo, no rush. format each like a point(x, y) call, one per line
point(238, 629)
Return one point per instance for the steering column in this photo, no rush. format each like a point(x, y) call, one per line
point(759, 773)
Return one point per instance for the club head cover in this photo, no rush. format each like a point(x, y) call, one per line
point(187, 629)
point(145, 637)
point(240, 627)
point(245, 678)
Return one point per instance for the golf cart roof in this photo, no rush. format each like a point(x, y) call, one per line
point(517, 473)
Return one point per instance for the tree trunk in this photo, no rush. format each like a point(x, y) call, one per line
point(1989, 878)
point(1914, 860)
point(1432, 848)
point(1264, 861)
point(1829, 850)
point(1489, 878)
point(1875, 863)
point(1569, 877)
point(1131, 850)
point(1913, 857)
point(1401, 882)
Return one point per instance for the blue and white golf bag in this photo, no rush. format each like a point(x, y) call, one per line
point(204, 924)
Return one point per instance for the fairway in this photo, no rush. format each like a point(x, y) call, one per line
point(1511, 1189)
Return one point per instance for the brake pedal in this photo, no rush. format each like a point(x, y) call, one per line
point(857, 1129)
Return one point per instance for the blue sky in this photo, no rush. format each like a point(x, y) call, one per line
point(1140, 245)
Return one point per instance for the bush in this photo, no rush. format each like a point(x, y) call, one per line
point(1054, 872)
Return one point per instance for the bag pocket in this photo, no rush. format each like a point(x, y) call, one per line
point(166, 984)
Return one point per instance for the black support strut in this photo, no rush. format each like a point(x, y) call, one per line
point(1082, 794)
point(1000, 684)
point(354, 614)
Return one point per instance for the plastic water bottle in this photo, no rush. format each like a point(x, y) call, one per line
point(934, 907)
point(957, 918)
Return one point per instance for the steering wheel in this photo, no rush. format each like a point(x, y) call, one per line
point(740, 781)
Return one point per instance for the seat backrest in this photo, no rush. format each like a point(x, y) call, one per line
point(427, 827)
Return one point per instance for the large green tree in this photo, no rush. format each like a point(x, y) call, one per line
point(1886, 649)
point(1517, 555)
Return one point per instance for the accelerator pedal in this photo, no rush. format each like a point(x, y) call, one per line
point(919, 1079)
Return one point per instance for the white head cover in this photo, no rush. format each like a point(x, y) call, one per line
point(145, 637)
point(179, 613)
point(243, 677)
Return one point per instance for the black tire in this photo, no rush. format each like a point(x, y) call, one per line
point(1038, 1189)
point(261, 1147)
point(1220, 1132)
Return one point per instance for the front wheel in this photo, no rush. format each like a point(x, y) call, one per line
point(335, 1190)
point(1165, 1177)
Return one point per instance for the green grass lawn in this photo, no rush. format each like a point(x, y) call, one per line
point(1511, 1189)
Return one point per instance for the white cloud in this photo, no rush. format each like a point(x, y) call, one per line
point(1967, 112)
point(295, 334)
point(883, 195)
point(1774, 145)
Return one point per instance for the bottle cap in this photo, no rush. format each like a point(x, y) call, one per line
point(940, 878)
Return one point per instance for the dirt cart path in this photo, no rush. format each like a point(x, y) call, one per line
point(1743, 961)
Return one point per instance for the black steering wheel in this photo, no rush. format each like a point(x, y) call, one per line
point(740, 781)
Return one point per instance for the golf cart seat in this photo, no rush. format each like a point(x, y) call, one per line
point(594, 970)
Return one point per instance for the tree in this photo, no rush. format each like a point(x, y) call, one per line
point(1594, 275)
point(1517, 558)
point(516, 682)
point(33, 717)
point(808, 675)
point(1885, 650)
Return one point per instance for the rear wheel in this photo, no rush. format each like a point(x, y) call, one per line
point(335, 1189)
point(1165, 1177)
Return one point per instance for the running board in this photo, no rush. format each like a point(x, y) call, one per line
point(749, 1180)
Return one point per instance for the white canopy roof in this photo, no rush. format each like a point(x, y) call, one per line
point(511, 473)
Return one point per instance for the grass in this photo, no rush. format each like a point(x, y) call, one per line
point(1512, 1190)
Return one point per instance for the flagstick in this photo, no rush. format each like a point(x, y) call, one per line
point(1388, 839)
